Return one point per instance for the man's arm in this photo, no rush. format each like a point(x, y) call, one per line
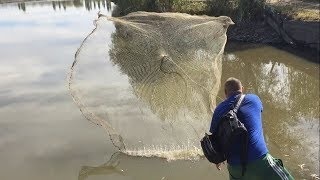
point(214, 121)
point(213, 127)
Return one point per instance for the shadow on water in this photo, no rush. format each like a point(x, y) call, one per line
point(305, 53)
point(110, 167)
point(311, 55)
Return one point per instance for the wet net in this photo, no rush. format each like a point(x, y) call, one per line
point(151, 80)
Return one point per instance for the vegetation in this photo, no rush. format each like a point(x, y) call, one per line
point(189, 6)
point(298, 11)
point(238, 10)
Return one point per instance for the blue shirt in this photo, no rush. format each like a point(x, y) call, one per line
point(249, 114)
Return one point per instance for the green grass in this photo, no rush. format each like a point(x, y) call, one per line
point(189, 7)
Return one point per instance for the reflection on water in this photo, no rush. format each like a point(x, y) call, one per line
point(63, 5)
point(289, 92)
point(44, 136)
point(110, 167)
point(290, 95)
point(42, 133)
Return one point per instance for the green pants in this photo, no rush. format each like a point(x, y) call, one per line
point(266, 168)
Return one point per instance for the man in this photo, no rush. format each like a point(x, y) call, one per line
point(260, 164)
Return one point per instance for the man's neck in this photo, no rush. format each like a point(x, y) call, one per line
point(234, 93)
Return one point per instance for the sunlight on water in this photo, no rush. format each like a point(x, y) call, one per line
point(289, 94)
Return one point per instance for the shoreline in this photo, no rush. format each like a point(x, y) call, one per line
point(259, 32)
point(308, 54)
point(274, 28)
point(279, 30)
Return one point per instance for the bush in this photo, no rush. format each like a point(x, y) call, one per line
point(239, 10)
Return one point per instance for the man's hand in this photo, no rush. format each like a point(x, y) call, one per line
point(219, 165)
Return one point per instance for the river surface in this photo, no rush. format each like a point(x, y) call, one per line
point(43, 135)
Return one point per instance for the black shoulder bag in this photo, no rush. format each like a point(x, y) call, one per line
point(216, 147)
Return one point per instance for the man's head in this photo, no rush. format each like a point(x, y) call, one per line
point(231, 86)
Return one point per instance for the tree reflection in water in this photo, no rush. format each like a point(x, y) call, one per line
point(63, 5)
point(289, 93)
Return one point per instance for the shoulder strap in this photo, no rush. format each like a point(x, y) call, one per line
point(238, 103)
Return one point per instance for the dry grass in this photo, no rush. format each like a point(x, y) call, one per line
point(307, 14)
point(299, 10)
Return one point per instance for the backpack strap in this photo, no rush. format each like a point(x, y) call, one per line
point(238, 103)
point(244, 137)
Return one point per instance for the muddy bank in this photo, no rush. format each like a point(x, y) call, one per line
point(298, 33)
point(277, 30)
point(262, 33)
point(254, 32)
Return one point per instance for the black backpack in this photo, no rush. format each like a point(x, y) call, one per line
point(216, 147)
point(212, 149)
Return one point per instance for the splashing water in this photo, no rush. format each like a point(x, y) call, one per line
point(171, 152)
point(151, 80)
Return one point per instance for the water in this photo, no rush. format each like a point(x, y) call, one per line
point(44, 136)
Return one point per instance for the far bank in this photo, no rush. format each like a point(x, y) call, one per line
point(256, 21)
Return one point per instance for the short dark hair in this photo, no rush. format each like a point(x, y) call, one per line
point(232, 85)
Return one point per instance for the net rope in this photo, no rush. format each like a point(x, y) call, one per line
point(151, 80)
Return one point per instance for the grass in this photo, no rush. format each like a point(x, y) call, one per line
point(196, 7)
point(298, 12)
point(307, 14)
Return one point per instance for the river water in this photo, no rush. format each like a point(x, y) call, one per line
point(43, 135)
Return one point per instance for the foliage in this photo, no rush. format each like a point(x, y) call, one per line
point(126, 6)
point(239, 10)
point(189, 6)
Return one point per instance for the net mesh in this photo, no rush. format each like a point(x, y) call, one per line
point(151, 80)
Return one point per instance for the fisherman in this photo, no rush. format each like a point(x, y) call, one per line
point(260, 165)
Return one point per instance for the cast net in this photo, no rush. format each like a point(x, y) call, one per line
point(151, 80)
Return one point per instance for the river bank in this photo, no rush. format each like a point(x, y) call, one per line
point(260, 32)
point(279, 26)
point(296, 21)
point(292, 23)
point(268, 23)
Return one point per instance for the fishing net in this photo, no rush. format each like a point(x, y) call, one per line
point(151, 80)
